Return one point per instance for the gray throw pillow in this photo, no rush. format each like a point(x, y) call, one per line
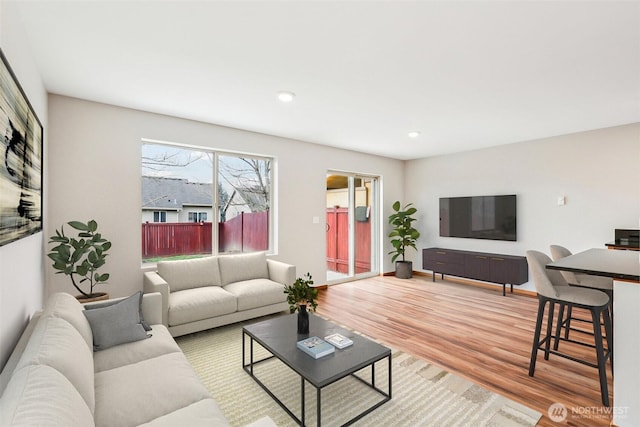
point(145, 325)
point(116, 324)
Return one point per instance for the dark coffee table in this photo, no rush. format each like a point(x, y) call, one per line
point(279, 336)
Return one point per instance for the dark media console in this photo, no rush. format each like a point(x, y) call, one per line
point(495, 268)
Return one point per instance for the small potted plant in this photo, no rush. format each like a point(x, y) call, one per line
point(403, 236)
point(80, 257)
point(301, 294)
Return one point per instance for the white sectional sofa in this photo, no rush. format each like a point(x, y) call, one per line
point(54, 377)
point(204, 293)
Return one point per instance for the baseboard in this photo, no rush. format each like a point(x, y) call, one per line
point(470, 282)
point(413, 272)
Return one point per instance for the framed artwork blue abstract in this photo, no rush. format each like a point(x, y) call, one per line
point(20, 161)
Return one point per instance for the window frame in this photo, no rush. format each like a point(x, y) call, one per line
point(161, 215)
point(215, 170)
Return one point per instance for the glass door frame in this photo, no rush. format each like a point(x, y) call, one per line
point(375, 239)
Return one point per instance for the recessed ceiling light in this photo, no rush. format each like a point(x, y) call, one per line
point(285, 96)
point(414, 134)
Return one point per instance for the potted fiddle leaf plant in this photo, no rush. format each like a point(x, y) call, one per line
point(80, 257)
point(403, 235)
point(300, 295)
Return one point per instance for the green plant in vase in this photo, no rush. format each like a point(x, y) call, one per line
point(301, 295)
point(403, 236)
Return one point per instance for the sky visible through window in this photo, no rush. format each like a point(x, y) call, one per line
point(244, 181)
point(174, 162)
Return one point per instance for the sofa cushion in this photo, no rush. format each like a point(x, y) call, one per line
point(161, 342)
point(256, 293)
point(39, 395)
point(204, 413)
point(116, 324)
point(116, 301)
point(67, 307)
point(236, 268)
point(190, 273)
point(141, 392)
point(200, 303)
point(55, 343)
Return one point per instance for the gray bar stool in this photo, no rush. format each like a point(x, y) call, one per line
point(604, 284)
point(553, 289)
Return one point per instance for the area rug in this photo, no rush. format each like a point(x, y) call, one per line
point(423, 394)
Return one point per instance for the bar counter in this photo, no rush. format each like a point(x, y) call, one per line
point(624, 267)
point(619, 265)
point(624, 245)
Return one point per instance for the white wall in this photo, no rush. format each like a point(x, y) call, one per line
point(597, 171)
point(21, 262)
point(94, 173)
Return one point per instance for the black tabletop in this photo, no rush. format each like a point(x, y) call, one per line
point(623, 265)
point(279, 336)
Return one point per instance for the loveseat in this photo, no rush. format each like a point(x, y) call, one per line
point(204, 293)
point(55, 378)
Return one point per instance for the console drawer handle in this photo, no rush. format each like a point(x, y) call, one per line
point(498, 259)
point(441, 253)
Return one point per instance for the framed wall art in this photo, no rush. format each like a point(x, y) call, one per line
point(20, 161)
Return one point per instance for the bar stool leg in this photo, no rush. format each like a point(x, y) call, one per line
point(542, 302)
point(561, 322)
point(549, 331)
point(608, 329)
point(568, 322)
point(602, 361)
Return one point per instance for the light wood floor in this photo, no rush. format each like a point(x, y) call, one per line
point(473, 332)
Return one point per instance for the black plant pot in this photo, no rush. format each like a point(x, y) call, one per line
point(404, 269)
point(303, 320)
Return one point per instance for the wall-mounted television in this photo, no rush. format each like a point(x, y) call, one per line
point(479, 217)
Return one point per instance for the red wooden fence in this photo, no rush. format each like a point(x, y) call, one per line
point(175, 238)
point(338, 242)
point(246, 232)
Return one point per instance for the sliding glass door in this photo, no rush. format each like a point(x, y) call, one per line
point(351, 223)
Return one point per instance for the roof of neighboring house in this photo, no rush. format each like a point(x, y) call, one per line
point(174, 193)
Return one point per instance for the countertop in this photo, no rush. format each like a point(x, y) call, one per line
point(624, 244)
point(623, 265)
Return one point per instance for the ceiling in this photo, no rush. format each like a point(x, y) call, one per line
point(466, 75)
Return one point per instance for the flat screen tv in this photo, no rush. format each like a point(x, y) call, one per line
point(479, 217)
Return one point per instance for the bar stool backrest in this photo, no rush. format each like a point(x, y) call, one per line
point(544, 280)
point(559, 252)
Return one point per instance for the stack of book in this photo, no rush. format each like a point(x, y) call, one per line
point(315, 347)
point(339, 341)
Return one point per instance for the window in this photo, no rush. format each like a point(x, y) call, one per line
point(159, 216)
point(244, 196)
point(183, 188)
point(197, 216)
